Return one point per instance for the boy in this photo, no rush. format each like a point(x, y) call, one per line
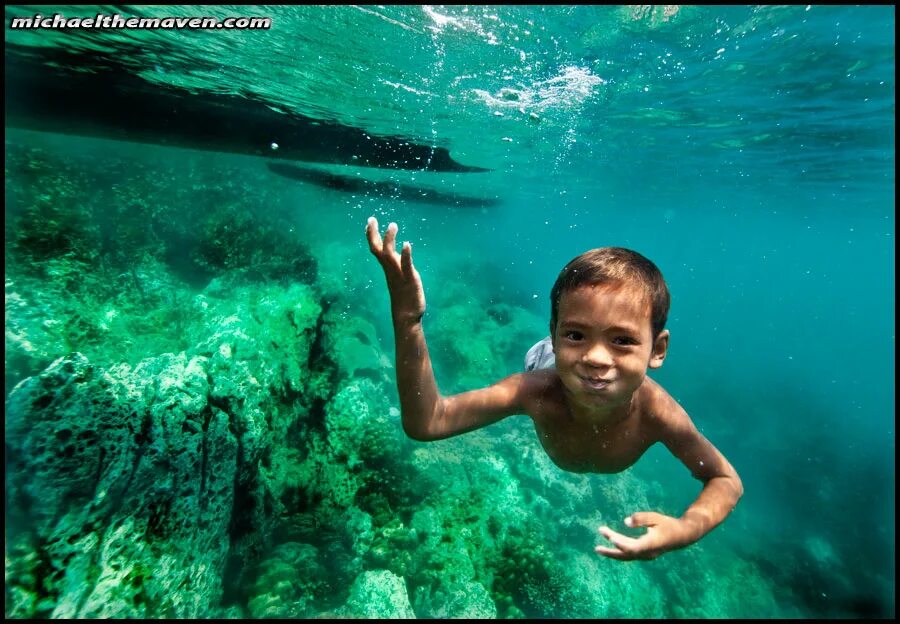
point(596, 411)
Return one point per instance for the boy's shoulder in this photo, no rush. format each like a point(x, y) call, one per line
point(542, 391)
point(540, 382)
point(658, 407)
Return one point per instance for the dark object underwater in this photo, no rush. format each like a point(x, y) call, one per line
point(94, 94)
point(381, 189)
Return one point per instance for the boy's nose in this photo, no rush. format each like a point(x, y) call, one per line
point(597, 355)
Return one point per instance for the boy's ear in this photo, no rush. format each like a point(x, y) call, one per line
point(660, 347)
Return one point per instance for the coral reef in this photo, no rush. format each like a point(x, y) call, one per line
point(125, 480)
point(378, 594)
point(286, 582)
point(470, 348)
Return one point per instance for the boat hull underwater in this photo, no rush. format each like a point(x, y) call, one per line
point(92, 94)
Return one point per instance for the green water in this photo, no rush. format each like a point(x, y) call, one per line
point(748, 151)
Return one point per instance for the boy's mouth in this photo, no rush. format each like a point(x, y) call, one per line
point(595, 383)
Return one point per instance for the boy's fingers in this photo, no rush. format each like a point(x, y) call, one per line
point(406, 258)
point(390, 238)
point(612, 553)
point(375, 244)
point(622, 542)
point(643, 519)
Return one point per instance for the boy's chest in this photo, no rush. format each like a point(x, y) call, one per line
point(582, 448)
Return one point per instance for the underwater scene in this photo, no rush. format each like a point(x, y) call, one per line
point(202, 415)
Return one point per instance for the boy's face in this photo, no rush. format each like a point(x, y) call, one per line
point(603, 343)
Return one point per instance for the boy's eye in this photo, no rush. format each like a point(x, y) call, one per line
point(573, 335)
point(624, 340)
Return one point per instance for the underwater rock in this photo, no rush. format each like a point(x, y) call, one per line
point(358, 525)
point(462, 526)
point(474, 347)
point(360, 430)
point(467, 600)
point(128, 478)
point(530, 577)
point(132, 483)
point(351, 342)
point(64, 431)
point(43, 322)
point(270, 328)
point(254, 247)
point(379, 594)
point(287, 581)
point(124, 481)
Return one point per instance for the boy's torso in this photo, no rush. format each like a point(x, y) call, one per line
point(582, 447)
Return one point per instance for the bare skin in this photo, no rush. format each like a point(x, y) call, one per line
point(597, 411)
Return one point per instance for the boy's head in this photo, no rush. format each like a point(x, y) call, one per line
point(607, 324)
point(614, 266)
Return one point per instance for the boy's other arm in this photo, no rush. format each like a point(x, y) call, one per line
point(722, 488)
point(425, 414)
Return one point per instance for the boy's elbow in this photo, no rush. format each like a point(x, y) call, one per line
point(416, 429)
point(416, 433)
point(739, 487)
point(421, 425)
point(736, 485)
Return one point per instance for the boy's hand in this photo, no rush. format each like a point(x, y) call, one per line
point(404, 283)
point(664, 533)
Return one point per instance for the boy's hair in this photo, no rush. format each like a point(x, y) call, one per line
point(616, 265)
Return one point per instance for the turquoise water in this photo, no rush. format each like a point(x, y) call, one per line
point(748, 151)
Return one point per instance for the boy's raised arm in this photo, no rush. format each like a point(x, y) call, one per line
point(425, 413)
